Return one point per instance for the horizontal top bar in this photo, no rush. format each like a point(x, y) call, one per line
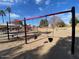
point(59, 13)
point(47, 15)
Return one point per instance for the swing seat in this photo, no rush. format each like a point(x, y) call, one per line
point(50, 39)
point(35, 37)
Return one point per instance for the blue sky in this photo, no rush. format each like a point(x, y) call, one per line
point(29, 8)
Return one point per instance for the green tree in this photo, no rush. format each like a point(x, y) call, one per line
point(20, 23)
point(2, 13)
point(43, 23)
point(8, 9)
point(46, 22)
point(76, 21)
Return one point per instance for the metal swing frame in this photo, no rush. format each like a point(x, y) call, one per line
point(73, 26)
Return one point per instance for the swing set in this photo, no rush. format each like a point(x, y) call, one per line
point(50, 39)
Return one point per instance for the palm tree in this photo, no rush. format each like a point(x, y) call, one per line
point(8, 9)
point(2, 13)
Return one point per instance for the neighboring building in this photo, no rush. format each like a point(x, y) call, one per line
point(4, 26)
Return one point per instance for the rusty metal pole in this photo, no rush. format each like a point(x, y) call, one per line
point(73, 31)
point(25, 31)
point(8, 31)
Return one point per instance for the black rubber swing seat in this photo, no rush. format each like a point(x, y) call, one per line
point(50, 39)
point(35, 37)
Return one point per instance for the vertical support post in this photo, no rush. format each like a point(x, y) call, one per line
point(25, 31)
point(8, 31)
point(17, 31)
point(73, 31)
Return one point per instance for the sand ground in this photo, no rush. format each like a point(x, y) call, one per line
point(41, 48)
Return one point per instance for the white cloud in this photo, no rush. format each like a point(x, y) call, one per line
point(28, 16)
point(38, 1)
point(58, 4)
point(66, 17)
point(47, 2)
point(77, 15)
point(11, 0)
point(4, 0)
point(40, 8)
point(24, 2)
point(63, 2)
point(13, 15)
point(17, 1)
point(8, 2)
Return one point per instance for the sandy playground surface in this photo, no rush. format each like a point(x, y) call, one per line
point(41, 48)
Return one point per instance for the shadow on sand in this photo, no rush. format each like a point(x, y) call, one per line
point(9, 51)
point(62, 50)
point(32, 54)
point(18, 38)
point(21, 55)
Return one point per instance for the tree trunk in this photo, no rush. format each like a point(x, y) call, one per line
point(2, 19)
point(9, 18)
